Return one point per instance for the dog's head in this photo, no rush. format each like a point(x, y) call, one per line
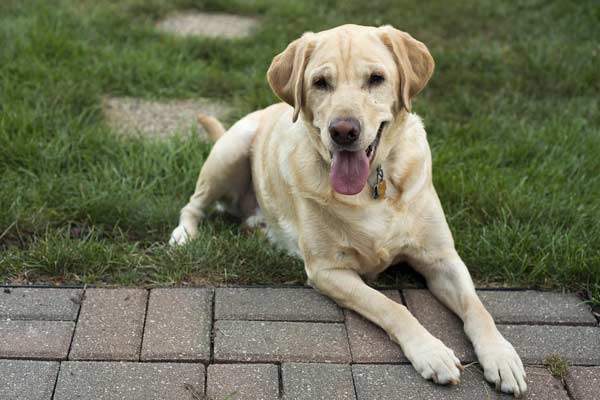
point(351, 82)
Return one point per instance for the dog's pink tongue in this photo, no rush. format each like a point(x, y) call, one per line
point(349, 171)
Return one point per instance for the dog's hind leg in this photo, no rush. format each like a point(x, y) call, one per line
point(225, 175)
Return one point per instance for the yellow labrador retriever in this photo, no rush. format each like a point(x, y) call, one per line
point(341, 174)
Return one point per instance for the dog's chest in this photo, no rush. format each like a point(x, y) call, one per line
point(369, 238)
point(377, 235)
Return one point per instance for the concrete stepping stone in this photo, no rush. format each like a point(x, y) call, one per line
point(269, 341)
point(27, 380)
point(368, 342)
point(243, 381)
point(531, 307)
point(35, 340)
point(213, 25)
point(317, 382)
point(275, 304)
point(110, 325)
point(158, 119)
point(131, 381)
point(40, 304)
point(178, 325)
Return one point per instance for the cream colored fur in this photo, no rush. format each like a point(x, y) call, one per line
point(279, 158)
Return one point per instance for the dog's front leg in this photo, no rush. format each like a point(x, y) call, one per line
point(449, 280)
point(430, 357)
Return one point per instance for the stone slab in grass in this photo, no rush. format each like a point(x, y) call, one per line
point(584, 382)
point(270, 341)
point(27, 380)
point(533, 307)
point(36, 340)
point(440, 322)
point(275, 304)
point(131, 381)
point(40, 304)
point(243, 381)
point(396, 382)
point(214, 25)
point(310, 381)
point(110, 325)
point(158, 119)
point(178, 325)
point(368, 342)
point(576, 344)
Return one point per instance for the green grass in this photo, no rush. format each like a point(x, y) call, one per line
point(512, 115)
point(557, 366)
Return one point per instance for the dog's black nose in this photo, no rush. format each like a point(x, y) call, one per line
point(344, 131)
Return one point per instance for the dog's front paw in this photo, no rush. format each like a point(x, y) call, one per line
point(179, 236)
point(433, 360)
point(502, 366)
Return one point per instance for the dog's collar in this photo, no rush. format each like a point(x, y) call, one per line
point(380, 186)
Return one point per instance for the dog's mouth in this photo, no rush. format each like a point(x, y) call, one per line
point(350, 169)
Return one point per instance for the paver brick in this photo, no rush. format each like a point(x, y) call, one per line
point(584, 383)
point(38, 340)
point(541, 385)
point(402, 382)
point(440, 322)
point(576, 344)
point(317, 382)
point(275, 304)
point(178, 325)
point(269, 341)
point(110, 325)
point(368, 342)
point(243, 382)
point(27, 380)
point(129, 381)
point(40, 304)
point(533, 307)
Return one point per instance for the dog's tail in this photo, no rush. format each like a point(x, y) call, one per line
point(213, 127)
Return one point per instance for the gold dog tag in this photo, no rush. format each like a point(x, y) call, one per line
point(381, 186)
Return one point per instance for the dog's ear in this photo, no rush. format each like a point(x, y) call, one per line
point(286, 73)
point(415, 63)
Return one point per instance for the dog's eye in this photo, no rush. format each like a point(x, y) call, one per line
point(321, 83)
point(376, 79)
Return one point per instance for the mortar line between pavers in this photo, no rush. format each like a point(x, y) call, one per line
point(348, 336)
point(303, 321)
point(211, 339)
point(56, 381)
point(403, 298)
point(82, 299)
point(206, 381)
point(570, 394)
point(353, 381)
point(144, 324)
point(535, 323)
point(274, 362)
point(280, 379)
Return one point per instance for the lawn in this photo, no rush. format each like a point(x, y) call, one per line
point(512, 116)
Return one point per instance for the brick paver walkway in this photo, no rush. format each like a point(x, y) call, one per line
point(267, 343)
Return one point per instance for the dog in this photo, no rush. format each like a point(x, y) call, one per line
point(340, 172)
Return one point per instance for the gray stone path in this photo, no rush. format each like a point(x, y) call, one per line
point(214, 25)
point(267, 343)
point(159, 119)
